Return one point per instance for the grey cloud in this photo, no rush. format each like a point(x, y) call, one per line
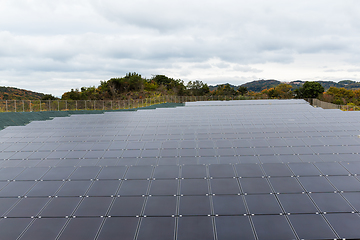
point(333, 70)
point(246, 69)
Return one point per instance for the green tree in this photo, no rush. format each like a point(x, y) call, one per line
point(309, 90)
point(225, 90)
point(48, 97)
point(197, 88)
point(242, 90)
point(72, 95)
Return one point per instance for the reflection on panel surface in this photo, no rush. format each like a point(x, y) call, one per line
point(264, 169)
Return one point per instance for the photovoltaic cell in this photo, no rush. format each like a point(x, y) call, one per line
point(81, 228)
point(119, 226)
point(233, 227)
point(194, 228)
point(45, 228)
point(272, 227)
point(311, 226)
point(157, 228)
point(60, 207)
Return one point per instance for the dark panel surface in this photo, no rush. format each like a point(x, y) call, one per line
point(195, 228)
point(81, 228)
point(330, 202)
point(45, 228)
point(228, 205)
point(286, 185)
point(316, 184)
point(197, 171)
point(255, 185)
point(119, 226)
point(304, 169)
point(28, 207)
point(104, 188)
point(272, 227)
point(74, 188)
point(233, 227)
point(164, 187)
point(263, 204)
point(11, 228)
point(127, 206)
point(160, 206)
point(221, 171)
point(297, 203)
point(249, 170)
point(345, 224)
point(60, 207)
point(194, 187)
point(224, 186)
point(93, 207)
point(311, 226)
point(157, 228)
point(58, 173)
point(134, 187)
point(45, 189)
point(194, 205)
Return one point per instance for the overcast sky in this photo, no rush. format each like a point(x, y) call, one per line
point(52, 46)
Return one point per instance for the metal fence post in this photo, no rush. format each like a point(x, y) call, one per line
point(15, 104)
point(23, 106)
point(30, 106)
point(58, 105)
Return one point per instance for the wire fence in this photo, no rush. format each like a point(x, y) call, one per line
point(75, 105)
point(326, 105)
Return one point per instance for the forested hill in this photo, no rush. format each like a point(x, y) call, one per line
point(10, 93)
point(259, 85)
point(212, 88)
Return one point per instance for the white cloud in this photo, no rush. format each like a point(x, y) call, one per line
point(82, 42)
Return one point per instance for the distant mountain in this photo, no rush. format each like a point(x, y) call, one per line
point(259, 85)
point(211, 88)
point(10, 93)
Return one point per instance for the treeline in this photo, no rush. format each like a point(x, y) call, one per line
point(259, 85)
point(134, 86)
point(339, 96)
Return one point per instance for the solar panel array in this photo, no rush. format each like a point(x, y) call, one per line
point(262, 169)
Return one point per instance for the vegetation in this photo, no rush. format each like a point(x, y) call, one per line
point(133, 86)
point(10, 93)
point(258, 86)
point(309, 90)
point(282, 91)
point(341, 96)
point(48, 97)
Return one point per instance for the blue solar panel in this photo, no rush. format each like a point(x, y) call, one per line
point(261, 169)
